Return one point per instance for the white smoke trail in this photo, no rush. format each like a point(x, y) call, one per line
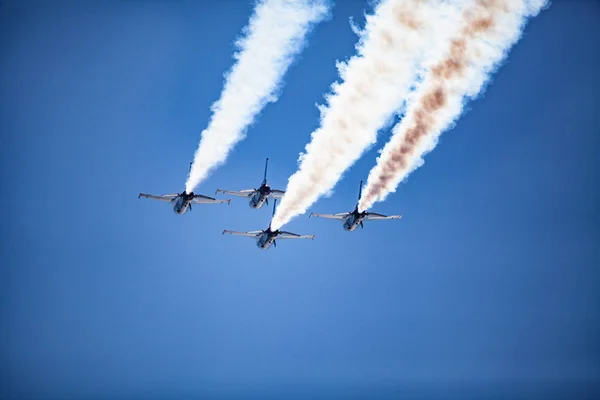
point(460, 71)
point(275, 34)
point(374, 85)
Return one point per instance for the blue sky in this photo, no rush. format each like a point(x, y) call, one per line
point(487, 286)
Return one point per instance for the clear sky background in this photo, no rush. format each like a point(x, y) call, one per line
point(488, 287)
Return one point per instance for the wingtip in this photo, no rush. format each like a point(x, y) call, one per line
point(310, 215)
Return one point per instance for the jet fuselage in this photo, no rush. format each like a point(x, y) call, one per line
point(183, 202)
point(266, 239)
point(260, 197)
point(353, 220)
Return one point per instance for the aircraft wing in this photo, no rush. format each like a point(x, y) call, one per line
point(330, 216)
point(165, 197)
point(290, 235)
point(375, 216)
point(240, 193)
point(252, 234)
point(200, 199)
point(277, 194)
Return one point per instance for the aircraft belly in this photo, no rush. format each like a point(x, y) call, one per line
point(351, 226)
point(261, 242)
point(257, 201)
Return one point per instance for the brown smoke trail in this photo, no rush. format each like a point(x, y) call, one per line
point(489, 28)
point(373, 86)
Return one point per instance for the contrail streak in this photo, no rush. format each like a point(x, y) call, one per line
point(489, 28)
point(374, 85)
point(275, 34)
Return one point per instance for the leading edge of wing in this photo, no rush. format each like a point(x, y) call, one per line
point(201, 199)
point(330, 216)
point(375, 216)
point(247, 234)
point(290, 235)
point(165, 197)
point(239, 193)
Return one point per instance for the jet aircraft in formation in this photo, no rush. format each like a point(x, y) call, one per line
point(259, 196)
point(266, 238)
point(355, 218)
point(183, 201)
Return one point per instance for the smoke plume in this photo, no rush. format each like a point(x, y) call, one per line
point(460, 70)
point(374, 86)
point(275, 34)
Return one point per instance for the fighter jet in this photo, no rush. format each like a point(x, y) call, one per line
point(353, 219)
point(257, 197)
point(265, 238)
point(182, 201)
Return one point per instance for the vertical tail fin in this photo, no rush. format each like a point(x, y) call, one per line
point(274, 207)
point(359, 194)
point(185, 190)
point(265, 177)
point(360, 190)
